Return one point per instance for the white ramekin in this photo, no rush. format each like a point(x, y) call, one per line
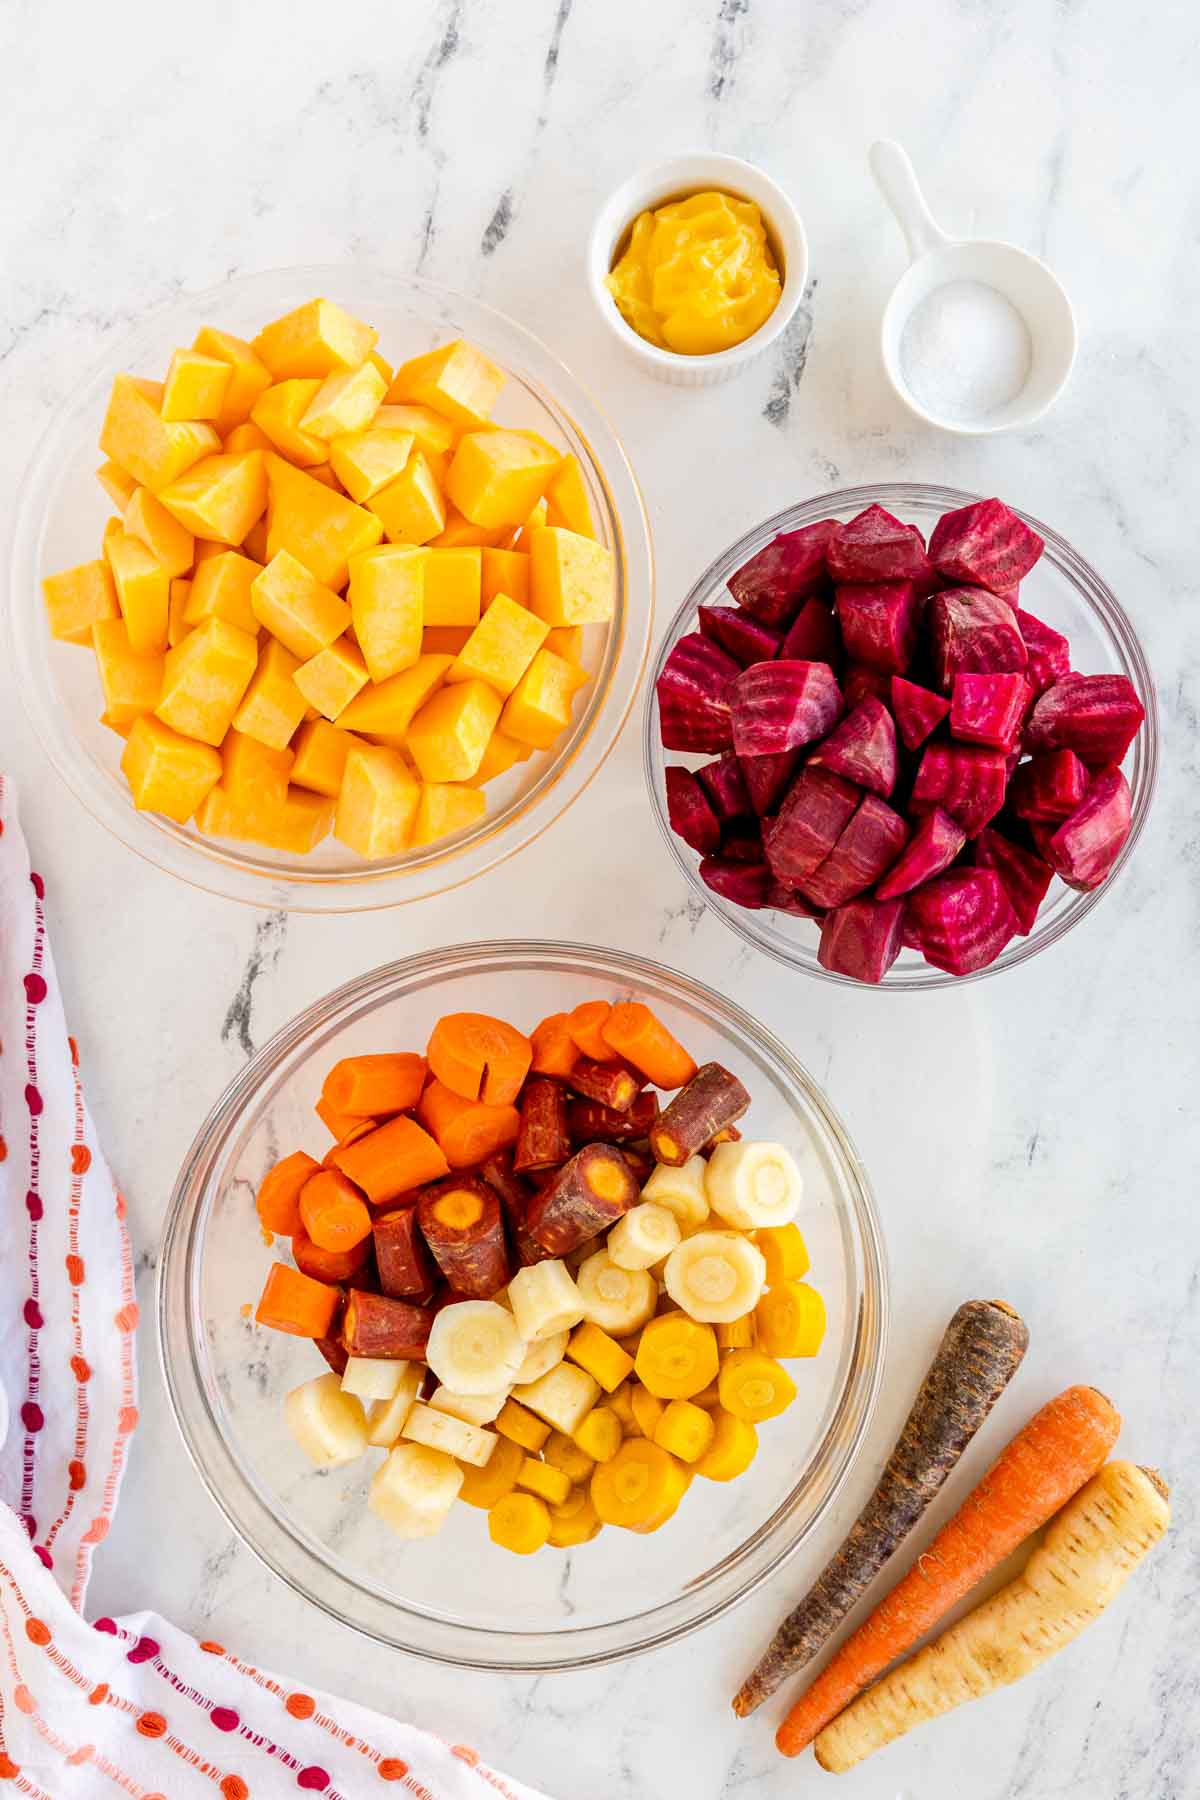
point(667, 180)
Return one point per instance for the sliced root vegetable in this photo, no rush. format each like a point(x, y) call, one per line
point(772, 585)
point(813, 634)
point(781, 706)
point(587, 1022)
point(385, 1418)
point(766, 778)
point(1097, 716)
point(297, 1304)
point(520, 1523)
point(690, 814)
point(745, 883)
point(479, 1057)
point(1049, 652)
point(545, 1302)
point(1024, 877)
point(583, 1198)
point(634, 1032)
point(610, 1084)
point(392, 1160)
point(862, 748)
point(789, 1320)
point(404, 1264)
point(333, 1266)
point(681, 1189)
point(374, 1325)
point(541, 1356)
point(643, 1237)
point(462, 1224)
point(592, 1123)
point(712, 1100)
point(878, 622)
point(677, 1357)
point(374, 1086)
point(918, 711)
point(562, 1399)
point(555, 1051)
point(466, 1131)
point(818, 807)
point(862, 939)
point(715, 1276)
point(694, 695)
point(867, 847)
point(972, 632)
point(414, 1489)
point(453, 1436)
point(753, 1386)
point(639, 1488)
point(475, 1347)
point(966, 780)
point(329, 1425)
point(988, 709)
point(861, 682)
point(935, 843)
point(373, 1377)
point(618, 1300)
point(739, 633)
point(483, 1487)
point(984, 545)
point(1085, 846)
point(278, 1201)
point(875, 546)
point(544, 1138)
point(753, 1184)
point(725, 785)
point(333, 1212)
point(594, 1350)
point(1048, 787)
point(962, 921)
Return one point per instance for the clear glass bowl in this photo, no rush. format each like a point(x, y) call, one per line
point(458, 1598)
point(1062, 589)
point(61, 512)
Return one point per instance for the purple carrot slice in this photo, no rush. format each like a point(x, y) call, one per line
point(774, 582)
point(1049, 786)
point(813, 635)
point(917, 711)
point(875, 546)
point(931, 849)
point(860, 682)
point(783, 705)
point(1026, 877)
point(862, 748)
point(870, 844)
point(1049, 652)
point(690, 815)
point(740, 633)
point(816, 810)
point(1085, 846)
point(984, 545)
point(966, 779)
point(878, 621)
point(725, 786)
point(767, 777)
point(1097, 716)
point(962, 920)
point(693, 695)
point(972, 632)
point(988, 709)
point(790, 900)
point(862, 938)
point(744, 883)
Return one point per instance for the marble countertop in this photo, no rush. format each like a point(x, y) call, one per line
point(1034, 1137)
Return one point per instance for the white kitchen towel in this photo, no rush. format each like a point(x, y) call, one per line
point(129, 1706)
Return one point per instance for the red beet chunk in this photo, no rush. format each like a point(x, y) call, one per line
point(739, 633)
point(694, 694)
point(1049, 786)
point(813, 635)
point(931, 849)
point(984, 545)
point(773, 583)
point(1085, 847)
point(691, 817)
point(741, 841)
point(861, 682)
point(766, 778)
point(790, 900)
point(966, 779)
point(961, 921)
point(725, 786)
point(1049, 652)
point(972, 632)
point(988, 709)
point(782, 705)
point(878, 621)
point(744, 883)
point(1025, 876)
point(917, 711)
point(870, 844)
point(816, 810)
point(862, 938)
point(874, 546)
point(1097, 716)
point(862, 748)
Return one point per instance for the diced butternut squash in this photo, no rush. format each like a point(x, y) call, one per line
point(205, 678)
point(567, 501)
point(177, 625)
point(345, 401)
point(167, 773)
point(566, 641)
point(331, 678)
point(365, 461)
point(458, 531)
point(254, 544)
point(221, 589)
point(117, 483)
point(131, 680)
point(321, 750)
point(497, 477)
point(539, 707)
point(323, 530)
point(501, 647)
point(572, 578)
point(247, 436)
point(148, 447)
point(78, 598)
point(143, 591)
point(433, 434)
point(295, 607)
point(318, 338)
point(453, 585)
point(449, 735)
point(222, 497)
point(446, 806)
point(505, 572)
point(377, 803)
point(501, 754)
point(170, 543)
point(279, 411)
point(195, 386)
point(387, 588)
point(385, 710)
point(254, 775)
point(537, 517)
point(296, 828)
point(273, 705)
point(248, 379)
point(457, 381)
point(444, 640)
point(384, 366)
point(410, 508)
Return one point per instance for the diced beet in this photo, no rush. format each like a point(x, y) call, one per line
point(972, 632)
point(813, 635)
point(725, 786)
point(862, 938)
point(773, 583)
point(962, 920)
point(984, 545)
point(739, 633)
point(988, 709)
point(742, 841)
point(781, 705)
point(1025, 876)
point(870, 844)
point(862, 748)
point(917, 711)
point(1049, 786)
point(1097, 716)
point(1085, 847)
point(1010, 596)
point(816, 810)
point(910, 937)
point(861, 682)
point(1049, 652)
point(790, 900)
point(878, 621)
point(965, 779)
point(690, 815)
point(766, 777)
point(933, 847)
point(874, 546)
point(744, 883)
point(693, 695)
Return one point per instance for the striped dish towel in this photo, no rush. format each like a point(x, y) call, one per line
point(128, 1706)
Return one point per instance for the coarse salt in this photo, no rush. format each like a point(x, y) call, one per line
point(965, 352)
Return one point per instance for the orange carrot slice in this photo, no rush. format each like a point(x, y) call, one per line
point(333, 1212)
point(634, 1033)
point(374, 1086)
point(555, 1051)
point(333, 1266)
point(586, 1025)
point(390, 1160)
point(295, 1303)
point(360, 1130)
point(467, 1130)
point(279, 1196)
point(338, 1124)
point(479, 1057)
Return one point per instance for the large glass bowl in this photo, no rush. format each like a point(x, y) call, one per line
point(61, 513)
point(1062, 589)
point(458, 1598)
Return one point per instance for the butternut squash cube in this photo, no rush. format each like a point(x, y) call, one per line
point(411, 507)
point(365, 461)
point(497, 477)
point(446, 806)
point(143, 591)
point(505, 572)
point(539, 707)
point(195, 386)
point(501, 647)
point(571, 578)
point(323, 530)
point(131, 680)
point(324, 474)
point(320, 756)
point(502, 753)
point(330, 680)
point(247, 436)
point(148, 447)
point(444, 640)
point(254, 544)
point(78, 598)
point(456, 380)
point(295, 828)
point(566, 640)
point(170, 543)
point(249, 376)
point(279, 411)
point(205, 678)
point(177, 625)
point(387, 589)
point(434, 435)
point(318, 338)
point(377, 803)
point(167, 773)
point(453, 585)
point(384, 366)
point(221, 589)
point(347, 401)
point(449, 735)
point(273, 705)
point(295, 607)
point(537, 517)
point(116, 482)
point(385, 710)
point(206, 547)
point(458, 531)
point(252, 774)
point(221, 497)
point(567, 501)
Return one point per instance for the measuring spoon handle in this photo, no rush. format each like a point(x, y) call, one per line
point(898, 184)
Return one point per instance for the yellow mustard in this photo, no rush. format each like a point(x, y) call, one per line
point(697, 275)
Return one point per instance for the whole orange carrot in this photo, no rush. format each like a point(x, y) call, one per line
point(1059, 1450)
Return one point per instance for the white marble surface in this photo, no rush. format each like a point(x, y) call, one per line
point(1034, 1137)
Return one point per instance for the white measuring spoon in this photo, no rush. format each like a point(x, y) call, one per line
point(938, 259)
